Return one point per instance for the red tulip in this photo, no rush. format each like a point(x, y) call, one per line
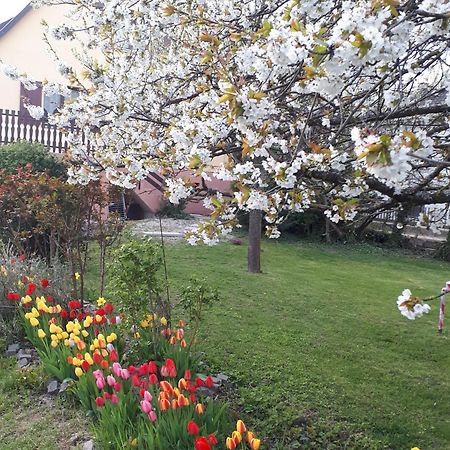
point(153, 379)
point(13, 296)
point(85, 365)
point(202, 444)
point(209, 382)
point(212, 439)
point(100, 402)
point(135, 380)
point(152, 368)
point(97, 358)
point(193, 428)
point(113, 356)
point(109, 308)
point(44, 283)
point(30, 289)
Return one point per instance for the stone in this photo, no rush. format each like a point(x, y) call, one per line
point(53, 387)
point(64, 385)
point(24, 354)
point(217, 381)
point(23, 362)
point(88, 445)
point(12, 349)
point(222, 377)
point(206, 392)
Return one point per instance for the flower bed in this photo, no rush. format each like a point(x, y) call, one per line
point(157, 404)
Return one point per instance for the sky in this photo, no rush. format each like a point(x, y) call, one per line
point(9, 8)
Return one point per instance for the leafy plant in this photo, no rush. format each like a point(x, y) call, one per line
point(194, 298)
point(21, 154)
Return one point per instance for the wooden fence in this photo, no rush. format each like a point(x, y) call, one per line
point(15, 126)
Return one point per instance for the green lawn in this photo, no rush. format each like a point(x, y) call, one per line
point(31, 420)
point(317, 347)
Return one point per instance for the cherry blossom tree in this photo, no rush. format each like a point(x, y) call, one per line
point(333, 104)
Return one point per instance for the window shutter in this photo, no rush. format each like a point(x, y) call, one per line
point(30, 97)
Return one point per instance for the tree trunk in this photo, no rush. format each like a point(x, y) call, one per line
point(254, 241)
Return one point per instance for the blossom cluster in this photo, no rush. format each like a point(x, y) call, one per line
point(310, 102)
point(411, 307)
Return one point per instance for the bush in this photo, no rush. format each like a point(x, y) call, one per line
point(172, 211)
point(136, 287)
point(20, 154)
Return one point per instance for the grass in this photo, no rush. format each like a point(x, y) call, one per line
point(318, 350)
point(31, 420)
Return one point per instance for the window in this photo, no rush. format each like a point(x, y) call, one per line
point(52, 103)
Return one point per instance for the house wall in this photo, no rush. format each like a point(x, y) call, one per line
point(23, 48)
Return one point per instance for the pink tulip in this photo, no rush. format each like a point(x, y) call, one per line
point(100, 382)
point(116, 368)
point(148, 397)
point(114, 399)
point(111, 380)
point(97, 374)
point(152, 415)
point(146, 406)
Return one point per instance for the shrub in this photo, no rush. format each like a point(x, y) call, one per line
point(20, 154)
point(136, 286)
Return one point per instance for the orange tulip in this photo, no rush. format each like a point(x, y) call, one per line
point(183, 401)
point(231, 445)
point(199, 408)
point(237, 437)
point(240, 426)
point(164, 404)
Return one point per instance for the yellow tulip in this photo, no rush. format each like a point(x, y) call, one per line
point(34, 322)
point(69, 327)
point(26, 299)
point(76, 361)
point(58, 308)
point(41, 333)
point(78, 372)
point(54, 344)
point(163, 321)
point(101, 301)
point(85, 333)
point(111, 338)
point(77, 276)
point(41, 305)
point(65, 335)
point(53, 328)
point(255, 444)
